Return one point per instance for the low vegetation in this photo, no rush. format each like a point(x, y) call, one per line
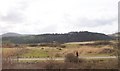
point(52, 64)
point(72, 58)
point(97, 48)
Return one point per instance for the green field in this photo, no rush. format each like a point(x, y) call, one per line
point(40, 52)
point(35, 53)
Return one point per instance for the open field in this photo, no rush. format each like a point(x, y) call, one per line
point(88, 49)
point(31, 52)
point(36, 55)
point(39, 52)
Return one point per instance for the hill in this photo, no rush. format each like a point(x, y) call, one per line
point(115, 35)
point(61, 38)
point(10, 34)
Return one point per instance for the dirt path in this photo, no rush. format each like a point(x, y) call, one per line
point(96, 57)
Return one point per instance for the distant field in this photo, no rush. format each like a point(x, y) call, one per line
point(40, 52)
point(34, 52)
point(46, 51)
point(80, 42)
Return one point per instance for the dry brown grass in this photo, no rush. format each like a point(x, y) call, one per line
point(51, 64)
point(6, 52)
point(83, 50)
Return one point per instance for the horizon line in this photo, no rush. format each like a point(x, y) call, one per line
point(52, 33)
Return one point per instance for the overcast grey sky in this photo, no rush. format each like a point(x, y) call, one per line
point(58, 16)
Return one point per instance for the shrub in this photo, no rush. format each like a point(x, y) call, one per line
point(70, 57)
point(62, 46)
point(57, 55)
point(59, 48)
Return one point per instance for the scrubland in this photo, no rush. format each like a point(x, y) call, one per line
point(94, 48)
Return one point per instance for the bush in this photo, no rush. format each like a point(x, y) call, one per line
point(57, 55)
point(42, 48)
point(70, 57)
point(62, 46)
point(59, 48)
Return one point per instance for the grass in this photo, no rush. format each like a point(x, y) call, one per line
point(90, 51)
point(31, 61)
point(35, 53)
point(45, 51)
point(36, 61)
point(87, 64)
point(40, 52)
point(7, 52)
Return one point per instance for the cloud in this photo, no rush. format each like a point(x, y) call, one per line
point(96, 22)
point(14, 11)
point(13, 17)
point(48, 16)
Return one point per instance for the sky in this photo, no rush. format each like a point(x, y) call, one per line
point(58, 16)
